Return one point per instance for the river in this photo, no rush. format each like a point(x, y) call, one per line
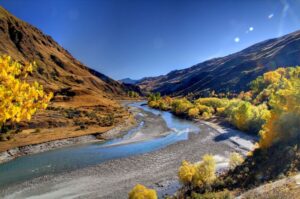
point(80, 156)
point(149, 154)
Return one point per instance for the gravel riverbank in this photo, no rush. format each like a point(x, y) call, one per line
point(115, 178)
point(119, 130)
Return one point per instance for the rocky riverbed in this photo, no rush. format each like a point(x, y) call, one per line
point(115, 178)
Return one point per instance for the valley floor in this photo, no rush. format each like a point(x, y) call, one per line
point(115, 178)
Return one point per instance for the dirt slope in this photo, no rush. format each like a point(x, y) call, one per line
point(83, 96)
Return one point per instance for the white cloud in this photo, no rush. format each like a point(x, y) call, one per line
point(237, 40)
point(270, 16)
point(251, 29)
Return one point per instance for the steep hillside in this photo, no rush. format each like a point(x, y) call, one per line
point(84, 99)
point(229, 73)
point(57, 70)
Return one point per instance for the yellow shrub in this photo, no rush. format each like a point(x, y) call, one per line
point(19, 100)
point(206, 115)
point(153, 104)
point(235, 159)
point(142, 192)
point(221, 110)
point(205, 172)
point(212, 102)
point(204, 108)
point(186, 172)
point(181, 106)
point(283, 124)
point(193, 112)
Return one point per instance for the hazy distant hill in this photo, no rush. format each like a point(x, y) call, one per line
point(229, 73)
point(129, 81)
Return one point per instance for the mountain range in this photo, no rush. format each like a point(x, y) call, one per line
point(230, 73)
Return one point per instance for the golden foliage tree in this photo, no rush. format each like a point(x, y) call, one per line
point(142, 192)
point(186, 172)
point(198, 174)
point(205, 172)
point(285, 113)
point(19, 100)
point(235, 159)
point(193, 112)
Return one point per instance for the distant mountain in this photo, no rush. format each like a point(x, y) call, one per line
point(229, 73)
point(129, 81)
point(57, 69)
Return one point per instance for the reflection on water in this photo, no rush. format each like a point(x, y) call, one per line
point(80, 156)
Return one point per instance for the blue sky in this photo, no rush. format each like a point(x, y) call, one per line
point(138, 38)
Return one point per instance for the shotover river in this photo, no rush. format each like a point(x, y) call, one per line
point(149, 154)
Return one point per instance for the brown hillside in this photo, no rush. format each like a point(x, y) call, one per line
point(231, 73)
point(75, 86)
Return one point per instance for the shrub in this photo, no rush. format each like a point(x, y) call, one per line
point(186, 172)
point(163, 105)
point(235, 159)
point(193, 112)
point(283, 124)
point(133, 94)
point(203, 108)
point(206, 115)
point(19, 99)
point(212, 102)
point(153, 104)
point(142, 192)
point(154, 96)
point(205, 172)
point(245, 116)
point(181, 106)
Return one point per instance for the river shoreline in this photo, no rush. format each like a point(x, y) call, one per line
point(237, 137)
point(119, 130)
point(114, 178)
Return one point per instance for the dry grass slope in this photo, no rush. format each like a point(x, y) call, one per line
point(76, 87)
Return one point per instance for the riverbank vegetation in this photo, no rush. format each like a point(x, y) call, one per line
point(142, 192)
point(271, 108)
point(19, 98)
point(271, 94)
point(133, 94)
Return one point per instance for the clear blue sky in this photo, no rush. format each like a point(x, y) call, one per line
point(137, 38)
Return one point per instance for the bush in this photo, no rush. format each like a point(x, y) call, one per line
point(212, 102)
point(245, 116)
point(193, 112)
point(181, 106)
point(235, 159)
point(19, 99)
point(142, 192)
point(186, 172)
point(203, 108)
point(283, 124)
point(205, 172)
point(133, 94)
point(198, 175)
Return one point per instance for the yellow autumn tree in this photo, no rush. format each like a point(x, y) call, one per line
point(235, 159)
point(193, 112)
point(19, 100)
point(142, 192)
point(205, 172)
point(186, 172)
point(285, 113)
